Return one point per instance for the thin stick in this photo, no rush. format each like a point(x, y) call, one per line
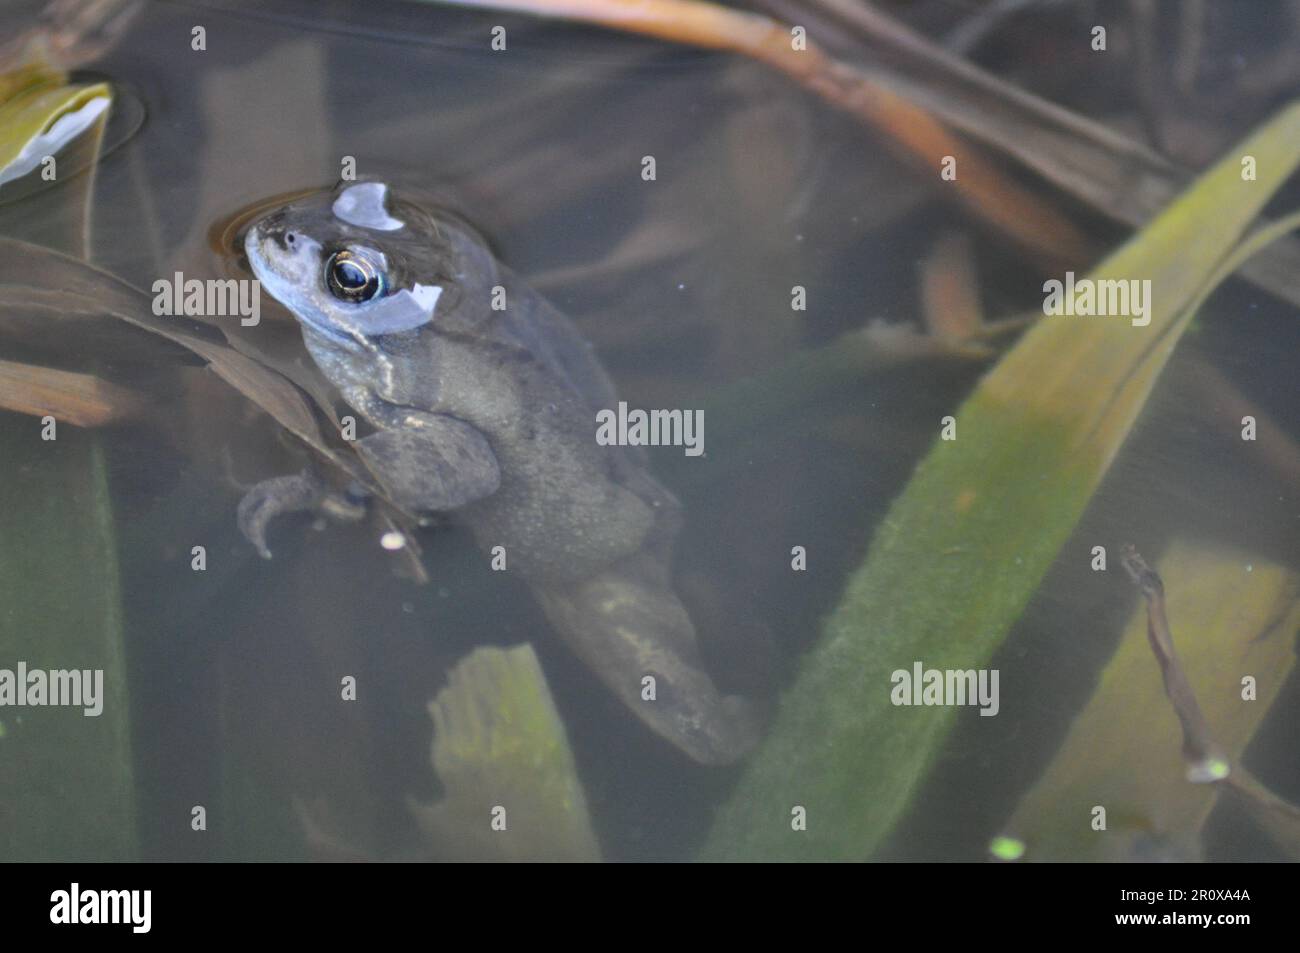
point(1205, 761)
point(1277, 817)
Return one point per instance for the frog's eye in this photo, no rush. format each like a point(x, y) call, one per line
point(353, 277)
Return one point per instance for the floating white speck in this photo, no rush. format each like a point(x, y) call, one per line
point(392, 540)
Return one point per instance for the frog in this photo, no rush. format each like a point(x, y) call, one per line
point(482, 401)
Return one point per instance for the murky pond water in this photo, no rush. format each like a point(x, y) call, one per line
point(683, 283)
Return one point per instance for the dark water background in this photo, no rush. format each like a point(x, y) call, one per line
point(234, 673)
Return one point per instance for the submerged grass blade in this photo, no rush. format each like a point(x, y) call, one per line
point(501, 754)
point(66, 779)
point(965, 545)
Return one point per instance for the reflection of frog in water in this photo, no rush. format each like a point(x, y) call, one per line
point(491, 415)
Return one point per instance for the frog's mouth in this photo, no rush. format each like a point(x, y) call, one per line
point(290, 272)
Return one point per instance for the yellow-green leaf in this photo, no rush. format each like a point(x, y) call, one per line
point(40, 120)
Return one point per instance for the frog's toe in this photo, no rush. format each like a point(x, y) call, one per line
point(270, 498)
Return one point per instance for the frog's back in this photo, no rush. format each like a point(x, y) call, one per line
point(535, 324)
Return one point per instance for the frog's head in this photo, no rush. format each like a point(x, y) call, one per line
point(354, 263)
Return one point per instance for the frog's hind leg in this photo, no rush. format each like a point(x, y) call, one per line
point(628, 626)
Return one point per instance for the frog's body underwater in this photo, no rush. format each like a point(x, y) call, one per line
point(490, 416)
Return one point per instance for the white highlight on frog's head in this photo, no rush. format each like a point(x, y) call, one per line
point(426, 296)
point(363, 205)
point(402, 310)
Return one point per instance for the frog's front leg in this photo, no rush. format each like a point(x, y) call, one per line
point(265, 501)
point(430, 462)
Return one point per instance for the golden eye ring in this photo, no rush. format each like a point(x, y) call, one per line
point(353, 277)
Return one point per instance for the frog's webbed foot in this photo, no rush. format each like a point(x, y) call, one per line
point(291, 494)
